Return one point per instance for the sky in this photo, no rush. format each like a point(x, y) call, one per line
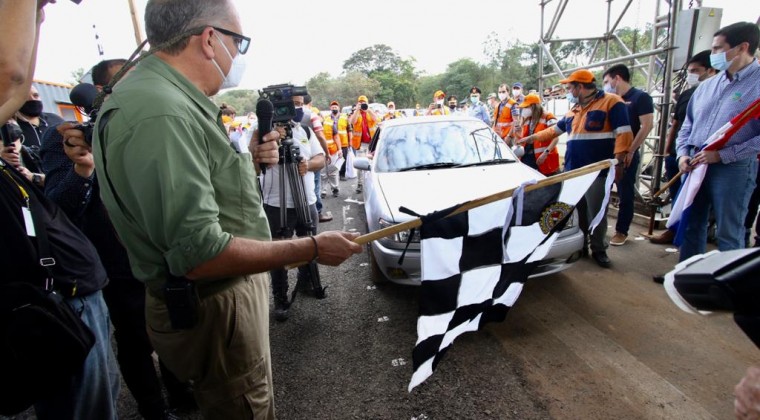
point(287, 49)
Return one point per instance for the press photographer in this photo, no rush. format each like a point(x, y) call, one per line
point(45, 255)
point(74, 185)
point(290, 201)
point(21, 157)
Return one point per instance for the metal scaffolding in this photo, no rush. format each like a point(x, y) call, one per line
point(655, 63)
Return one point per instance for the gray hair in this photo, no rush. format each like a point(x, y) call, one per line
point(166, 19)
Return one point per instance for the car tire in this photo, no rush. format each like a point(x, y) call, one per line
point(376, 274)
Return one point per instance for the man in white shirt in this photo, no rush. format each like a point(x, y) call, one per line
point(313, 160)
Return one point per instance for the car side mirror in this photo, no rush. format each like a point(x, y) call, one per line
point(362, 164)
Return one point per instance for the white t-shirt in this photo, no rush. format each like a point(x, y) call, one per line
point(308, 148)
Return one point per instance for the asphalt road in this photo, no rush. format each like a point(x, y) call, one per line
point(588, 343)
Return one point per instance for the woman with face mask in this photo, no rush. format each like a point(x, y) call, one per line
point(540, 155)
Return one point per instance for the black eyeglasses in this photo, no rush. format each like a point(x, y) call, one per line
point(243, 42)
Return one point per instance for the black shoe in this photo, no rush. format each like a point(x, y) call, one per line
point(658, 278)
point(335, 192)
point(281, 311)
point(601, 259)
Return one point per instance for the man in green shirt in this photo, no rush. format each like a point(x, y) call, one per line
point(185, 204)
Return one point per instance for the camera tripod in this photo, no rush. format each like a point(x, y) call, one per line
point(290, 158)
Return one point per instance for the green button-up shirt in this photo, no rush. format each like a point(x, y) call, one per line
point(174, 187)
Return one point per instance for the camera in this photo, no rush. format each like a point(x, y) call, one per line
point(10, 133)
point(281, 97)
point(720, 281)
point(365, 107)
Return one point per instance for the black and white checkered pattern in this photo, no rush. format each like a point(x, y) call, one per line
point(474, 264)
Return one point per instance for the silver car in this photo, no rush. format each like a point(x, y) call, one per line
point(432, 163)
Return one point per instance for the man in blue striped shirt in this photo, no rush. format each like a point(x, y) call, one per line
point(730, 176)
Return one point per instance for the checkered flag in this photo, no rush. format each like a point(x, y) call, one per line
point(474, 263)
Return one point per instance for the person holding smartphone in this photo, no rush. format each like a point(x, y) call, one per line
point(437, 108)
point(364, 122)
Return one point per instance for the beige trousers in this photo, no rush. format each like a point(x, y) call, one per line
point(226, 355)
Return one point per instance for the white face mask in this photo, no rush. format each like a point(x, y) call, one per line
point(439, 102)
point(692, 79)
point(516, 92)
point(237, 69)
point(502, 96)
point(526, 112)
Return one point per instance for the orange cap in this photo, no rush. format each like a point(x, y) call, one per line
point(363, 98)
point(439, 94)
point(530, 100)
point(334, 103)
point(580, 76)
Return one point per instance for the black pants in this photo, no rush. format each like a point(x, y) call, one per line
point(125, 298)
point(280, 276)
point(342, 171)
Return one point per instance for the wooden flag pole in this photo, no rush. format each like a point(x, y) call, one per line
point(668, 184)
point(417, 222)
point(135, 21)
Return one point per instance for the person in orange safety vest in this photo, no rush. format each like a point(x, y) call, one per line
point(364, 122)
point(437, 107)
point(502, 115)
point(540, 154)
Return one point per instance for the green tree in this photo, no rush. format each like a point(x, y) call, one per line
point(427, 85)
point(76, 76)
point(377, 58)
point(397, 76)
point(243, 100)
point(344, 89)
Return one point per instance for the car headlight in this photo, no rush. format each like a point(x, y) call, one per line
point(573, 220)
point(401, 237)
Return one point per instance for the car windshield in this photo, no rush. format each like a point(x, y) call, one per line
point(438, 145)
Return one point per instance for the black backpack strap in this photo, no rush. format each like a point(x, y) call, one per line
point(307, 129)
point(46, 259)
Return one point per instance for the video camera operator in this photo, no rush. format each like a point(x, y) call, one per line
point(187, 208)
point(73, 184)
point(313, 160)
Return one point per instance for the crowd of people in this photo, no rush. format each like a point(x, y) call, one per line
point(177, 203)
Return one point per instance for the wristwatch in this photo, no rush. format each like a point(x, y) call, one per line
point(37, 180)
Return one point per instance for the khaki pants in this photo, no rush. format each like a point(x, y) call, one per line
point(226, 355)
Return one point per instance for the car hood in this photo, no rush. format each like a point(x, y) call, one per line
point(426, 191)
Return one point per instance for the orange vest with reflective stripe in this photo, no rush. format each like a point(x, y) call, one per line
point(551, 164)
point(341, 135)
point(503, 120)
point(356, 138)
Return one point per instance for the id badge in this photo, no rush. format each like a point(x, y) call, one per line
point(28, 221)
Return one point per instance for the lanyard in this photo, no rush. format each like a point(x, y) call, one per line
point(21, 189)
